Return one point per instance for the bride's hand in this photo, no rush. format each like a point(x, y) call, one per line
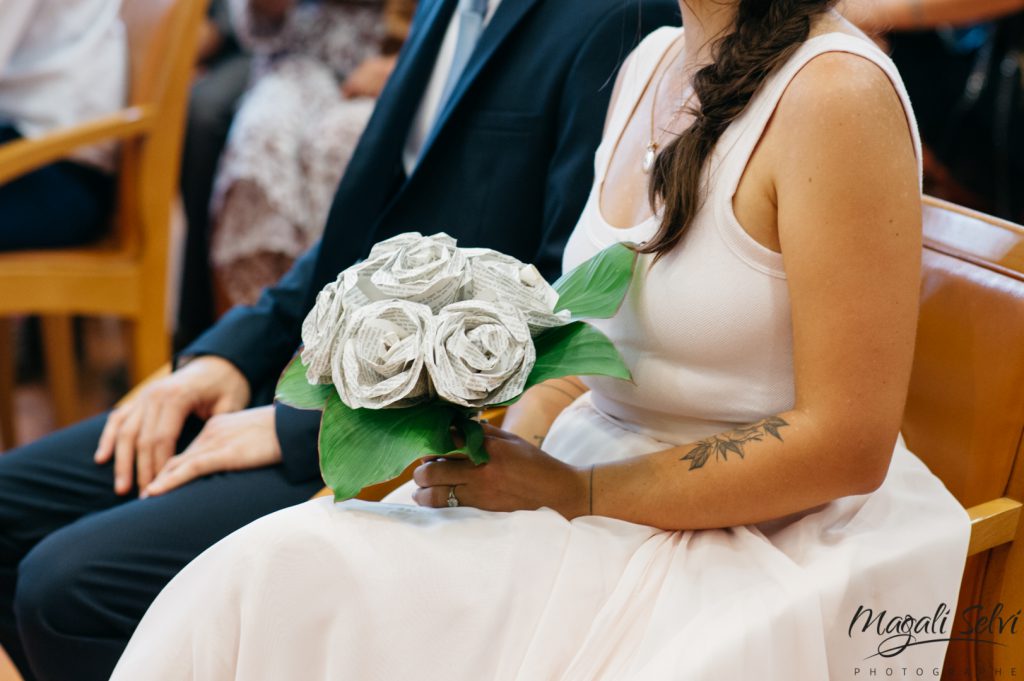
point(518, 477)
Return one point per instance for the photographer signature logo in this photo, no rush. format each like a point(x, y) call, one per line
point(898, 631)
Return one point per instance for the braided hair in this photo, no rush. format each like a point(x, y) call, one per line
point(765, 36)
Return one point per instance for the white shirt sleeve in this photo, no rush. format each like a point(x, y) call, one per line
point(15, 17)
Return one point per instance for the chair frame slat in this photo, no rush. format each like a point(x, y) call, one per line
point(993, 524)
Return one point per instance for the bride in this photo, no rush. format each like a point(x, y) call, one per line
point(723, 516)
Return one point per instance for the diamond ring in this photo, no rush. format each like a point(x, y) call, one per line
point(453, 500)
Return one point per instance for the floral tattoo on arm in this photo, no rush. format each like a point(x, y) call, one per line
point(734, 441)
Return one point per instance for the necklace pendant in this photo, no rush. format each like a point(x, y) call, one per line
point(649, 157)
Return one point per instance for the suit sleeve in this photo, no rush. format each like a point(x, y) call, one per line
point(260, 339)
point(583, 107)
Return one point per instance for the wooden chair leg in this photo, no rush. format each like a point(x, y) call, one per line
point(151, 346)
point(61, 367)
point(8, 434)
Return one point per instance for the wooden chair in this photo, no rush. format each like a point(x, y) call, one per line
point(965, 411)
point(126, 274)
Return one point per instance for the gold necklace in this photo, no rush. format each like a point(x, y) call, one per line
point(652, 145)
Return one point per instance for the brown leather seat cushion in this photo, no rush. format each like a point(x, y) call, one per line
point(965, 411)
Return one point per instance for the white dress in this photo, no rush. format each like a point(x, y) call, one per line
point(392, 592)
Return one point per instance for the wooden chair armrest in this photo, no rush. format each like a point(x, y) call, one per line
point(993, 524)
point(23, 156)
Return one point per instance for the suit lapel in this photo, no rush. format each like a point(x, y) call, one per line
point(405, 88)
point(378, 156)
point(505, 19)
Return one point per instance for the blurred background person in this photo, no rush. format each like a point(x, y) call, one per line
point(962, 64)
point(221, 77)
point(317, 71)
point(62, 62)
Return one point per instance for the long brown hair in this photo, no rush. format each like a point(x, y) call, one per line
point(765, 35)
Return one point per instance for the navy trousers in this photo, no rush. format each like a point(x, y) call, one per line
point(61, 205)
point(79, 565)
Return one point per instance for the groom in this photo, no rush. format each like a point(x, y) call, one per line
point(487, 131)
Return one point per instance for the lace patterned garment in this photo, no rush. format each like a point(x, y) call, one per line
point(291, 138)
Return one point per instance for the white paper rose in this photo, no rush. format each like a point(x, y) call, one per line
point(498, 278)
point(422, 269)
point(321, 326)
point(320, 331)
point(383, 249)
point(479, 353)
point(379, 355)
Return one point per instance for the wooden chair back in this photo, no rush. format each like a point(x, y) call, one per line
point(965, 410)
point(125, 275)
point(161, 62)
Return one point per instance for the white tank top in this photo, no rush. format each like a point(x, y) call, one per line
point(707, 331)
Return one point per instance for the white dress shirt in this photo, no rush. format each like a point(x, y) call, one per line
point(62, 62)
point(423, 124)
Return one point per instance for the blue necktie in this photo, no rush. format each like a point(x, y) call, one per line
point(471, 24)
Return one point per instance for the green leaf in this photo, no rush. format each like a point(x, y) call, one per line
point(576, 349)
point(596, 288)
point(295, 391)
point(362, 447)
point(473, 433)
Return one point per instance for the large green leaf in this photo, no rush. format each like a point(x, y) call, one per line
point(596, 288)
point(295, 391)
point(362, 447)
point(473, 436)
point(576, 349)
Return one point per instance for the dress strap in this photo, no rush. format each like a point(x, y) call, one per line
point(737, 145)
point(740, 140)
point(643, 62)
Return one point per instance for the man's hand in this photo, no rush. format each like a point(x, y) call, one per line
point(229, 442)
point(141, 435)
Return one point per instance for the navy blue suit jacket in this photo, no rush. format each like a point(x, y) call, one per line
point(509, 167)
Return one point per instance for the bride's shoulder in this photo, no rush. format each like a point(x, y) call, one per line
point(645, 57)
point(658, 41)
point(845, 107)
point(840, 85)
point(651, 49)
point(842, 75)
point(637, 67)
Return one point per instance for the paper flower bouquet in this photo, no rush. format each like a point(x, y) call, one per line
point(422, 335)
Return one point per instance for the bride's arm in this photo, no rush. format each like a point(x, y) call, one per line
point(845, 184)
